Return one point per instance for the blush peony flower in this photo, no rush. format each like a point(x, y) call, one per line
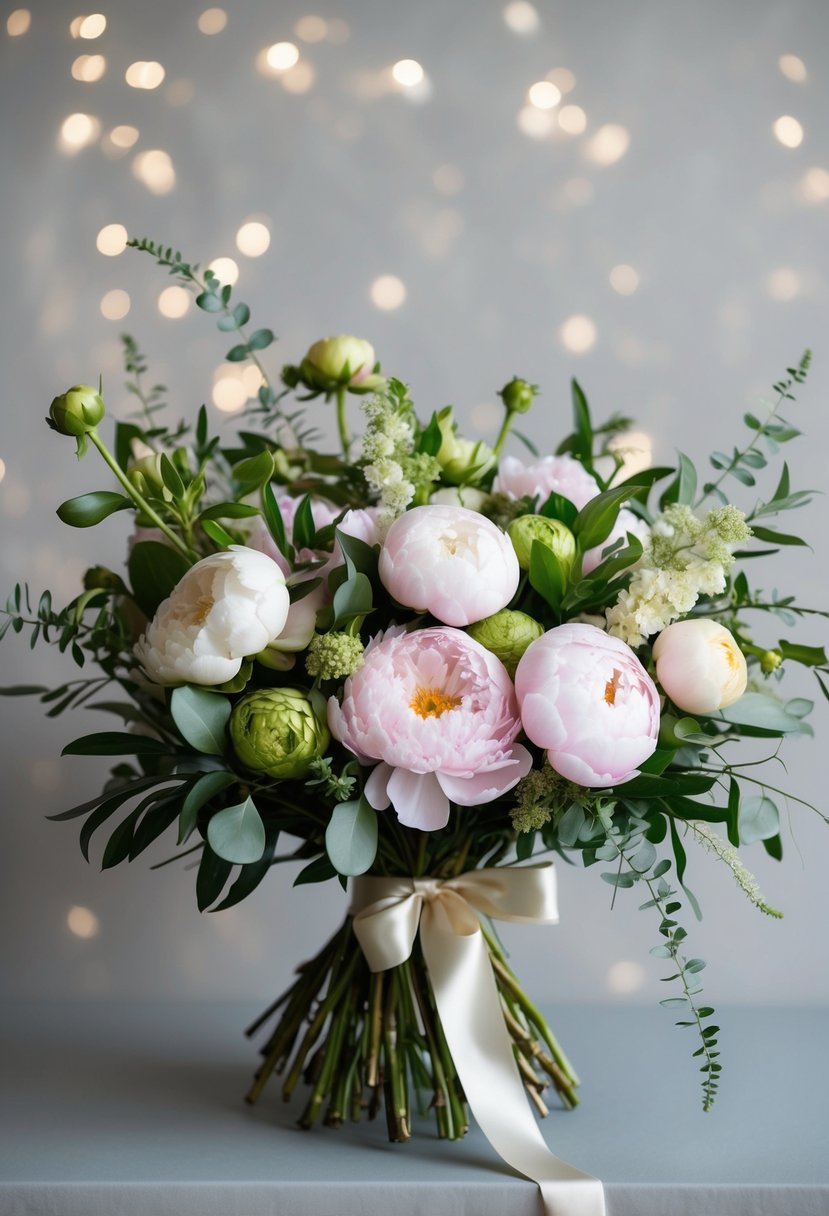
point(440, 712)
point(226, 607)
point(586, 698)
point(700, 665)
point(449, 561)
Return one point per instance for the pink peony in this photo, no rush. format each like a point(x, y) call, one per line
point(449, 561)
point(440, 712)
point(566, 476)
point(586, 698)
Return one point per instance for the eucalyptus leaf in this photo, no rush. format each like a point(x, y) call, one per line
point(351, 837)
point(206, 787)
point(237, 834)
point(201, 717)
point(759, 819)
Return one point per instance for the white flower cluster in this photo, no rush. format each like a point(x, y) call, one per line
point(387, 442)
point(687, 557)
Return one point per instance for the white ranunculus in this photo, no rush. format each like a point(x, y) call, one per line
point(699, 665)
point(226, 607)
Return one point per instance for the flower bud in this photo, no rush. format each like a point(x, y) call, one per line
point(76, 411)
point(518, 395)
point(332, 363)
point(144, 470)
point(277, 731)
point(552, 533)
point(506, 634)
point(461, 460)
point(460, 496)
point(770, 660)
point(699, 665)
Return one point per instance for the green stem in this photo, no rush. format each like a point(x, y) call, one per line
point(504, 431)
point(137, 498)
point(341, 423)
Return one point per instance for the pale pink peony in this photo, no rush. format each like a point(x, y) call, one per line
point(440, 712)
point(700, 665)
point(449, 561)
point(566, 476)
point(586, 698)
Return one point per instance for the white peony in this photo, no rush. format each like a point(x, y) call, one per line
point(226, 607)
point(699, 665)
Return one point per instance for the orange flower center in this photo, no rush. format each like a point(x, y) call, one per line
point(611, 686)
point(431, 702)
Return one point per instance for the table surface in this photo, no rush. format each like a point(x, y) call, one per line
point(135, 1110)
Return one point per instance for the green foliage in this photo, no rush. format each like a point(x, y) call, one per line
point(201, 717)
point(237, 834)
point(351, 837)
point(90, 509)
point(154, 569)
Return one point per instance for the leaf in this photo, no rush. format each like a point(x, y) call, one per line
point(774, 847)
point(583, 445)
point(561, 508)
point(219, 535)
point(209, 302)
point(304, 529)
point(759, 819)
point(755, 709)
point(213, 874)
point(618, 880)
point(205, 788)
point(809, 656)
point(237, 833)
point(680, 856)
point(777, 538)
point(683, 489)
point(90, 509)
point(237, 354)
point(22, 690)
point(570, 825)
point(352, 599)
point(260, 339)
point(254, 471)
point(154, 570)
point(363, 557)
point(732, 823)
point(229, 510)
point(250, 875)
point(273, 518)
point(595, 520)
point(431, 438)
point(170, 477)
point(116, 743)
point(319, 870)
point(351, 837)
point(546, 574)
point(201, 717)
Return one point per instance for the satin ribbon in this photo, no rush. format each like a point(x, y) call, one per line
point(387, 914)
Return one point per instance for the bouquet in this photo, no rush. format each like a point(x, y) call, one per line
point(417, 664)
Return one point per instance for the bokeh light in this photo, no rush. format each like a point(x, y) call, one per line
point(538, 124)
point(563, 79)
point(793, 68)
point(144, 74)
point(608, 144)
point(82, 922)
point(299, 78)
point(388, 292)
point(447, 179)
point(115, 304)
point(2, 469)
point(544, 95)
point(624, 279)
point(626, 977)
point(230, 393)
point(124, 136)
point(521, 17)
point(89, 27)
point(572, 119)
point(281, 56)
point(89, 68)
point(112, 240)
point(578, 334)
point(814, 185)
point(407, 73)
point(77, 131)
point(783, 284)
point(253, 238)
point(311, 28)
point(173, 302)
point(788, 131)
point(154, 168)
point(212, 21)
point(18, 22)
point(225, 270)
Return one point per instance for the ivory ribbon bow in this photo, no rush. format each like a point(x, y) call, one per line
point(387, 913)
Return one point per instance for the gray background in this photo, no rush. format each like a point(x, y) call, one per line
point(706, 204)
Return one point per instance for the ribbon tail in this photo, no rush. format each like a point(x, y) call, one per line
point(470, 1012)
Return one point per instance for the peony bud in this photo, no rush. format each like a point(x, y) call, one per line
point(460, 496)
point(461, 460)
point(699, 665)
point(277, 731)
point(332, 363)
point(518, 395)
point(77, 411)
point(506, 634)
point(144, 470)
point(552, 533)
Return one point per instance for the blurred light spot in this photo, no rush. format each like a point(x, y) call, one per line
point(630, 349)
point(281, 56)
point(2, 469)
point(578, 191)
point(229, 395)
point(624, 279)
point(563, 79)
point(89, 68)
point(75, 26)
point(441, 232)
point(448, 179)
point(115, 304)
point(92, 26)
point(608, 145)
point(225, 270)
point(572, 120)
point(299, 78)
point(155, 169)
point(388, 292)
point(253, 238)
point(144, 74)
point(486, 416)
point(783, 284)
point(82, 922)
point(252, 379)
point(173, 302)
point(521, 17)
point(338, 31)
point(625, 977)
point(124, 136)
point(407, 72)
point(543, 94)
point(179, 92)
point(46, 774)
point(788, 131)
point(311, 28)
point(212, 21)
point(792, 67)
point(77, 131)
point(536, 123)
point(578, 334)
point(636, 450)
point(17, 498)
point(112, 240)
point(18, 22)
point(814, 185)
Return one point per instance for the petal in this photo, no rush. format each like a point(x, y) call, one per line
point(485, 787)
point(376, 787)
point(418, 800)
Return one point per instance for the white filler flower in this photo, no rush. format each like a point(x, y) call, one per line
point(226, 607)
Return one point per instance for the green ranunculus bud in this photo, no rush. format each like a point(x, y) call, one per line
point(518, 395)
point(551, 532)
point(507, 634)
point(461, 460)
point(77, 411)
point(278, 732)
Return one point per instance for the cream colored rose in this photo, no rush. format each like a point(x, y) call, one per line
point(699, 665)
